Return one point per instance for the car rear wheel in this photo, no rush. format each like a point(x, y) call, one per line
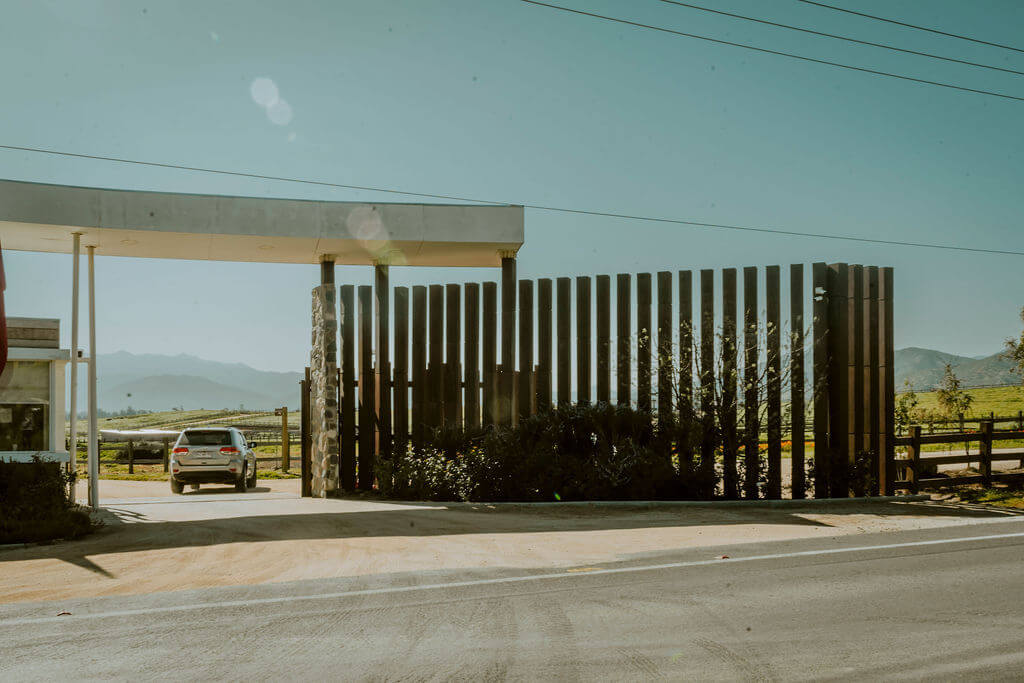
point(252, 480)
point(177, 486)
point(240, 484)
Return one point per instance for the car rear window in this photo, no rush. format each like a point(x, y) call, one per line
point(206, 437)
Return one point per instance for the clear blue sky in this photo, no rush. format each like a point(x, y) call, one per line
point(499, 99)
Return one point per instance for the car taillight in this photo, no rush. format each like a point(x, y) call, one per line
point(181, 450)
point(228, 450)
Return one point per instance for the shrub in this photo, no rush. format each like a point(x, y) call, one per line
point(34, 503)
point(577, 452)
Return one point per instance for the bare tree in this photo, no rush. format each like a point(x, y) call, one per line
point(1015, 351)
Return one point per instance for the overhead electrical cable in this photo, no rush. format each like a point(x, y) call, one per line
point(913, 26)
point(536, 207)
point(839, 37)
point(779, 53)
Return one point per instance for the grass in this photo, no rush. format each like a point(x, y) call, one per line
point(176, 419)
point(1000, 497)
point(1003, 401)
point(110, 470)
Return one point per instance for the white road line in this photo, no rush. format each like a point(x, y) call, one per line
point(565, 574)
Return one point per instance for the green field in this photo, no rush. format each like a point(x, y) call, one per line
point(1003, 401)
point(187, 418)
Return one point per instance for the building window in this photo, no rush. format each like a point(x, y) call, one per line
point(25, 406)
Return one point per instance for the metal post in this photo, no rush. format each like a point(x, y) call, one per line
point(914, 458)
point(73, 434)
point(286, 460)
point(94, 454)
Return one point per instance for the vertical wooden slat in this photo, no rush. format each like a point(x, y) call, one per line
point(820, 379)
point(730, 440)
point(857, 369)
point(774, 381)
point(367, 409)
point(685, 345)
point(419, 363)
point(583, 357)
point(544, 339)
point(796, 379)
point(489, 371)
point(644, 332)
point(839, 379)
point(382, 379)
point(401, 371)
point(751, 382)
point(435, 357)
point(563, 339)
point(506, 377)
point(453, 360)
point(471, 354)
point(664, 347)
point(685, 443)
point(623, 363)
point(707, 371)
point(889, 381)
point(603, 294)
point(304, 440)
point(347, 418)
point(526, 385)
point(874, 383)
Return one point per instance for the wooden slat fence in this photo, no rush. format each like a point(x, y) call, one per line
point(453, 359)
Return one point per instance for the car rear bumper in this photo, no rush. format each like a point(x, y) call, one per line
point(208, 474)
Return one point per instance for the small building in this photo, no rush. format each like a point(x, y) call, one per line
point(32, 421)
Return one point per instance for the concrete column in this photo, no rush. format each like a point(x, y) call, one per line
point(323, 399)
point(94, 451)
point(73, 438)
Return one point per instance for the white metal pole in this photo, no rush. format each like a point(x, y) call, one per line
point(94, 455)
point(73, 432)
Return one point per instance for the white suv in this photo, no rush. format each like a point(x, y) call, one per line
point(212, 455)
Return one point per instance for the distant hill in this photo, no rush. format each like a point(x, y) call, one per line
point(158, 382)
point(163, 392)
point(924, 369)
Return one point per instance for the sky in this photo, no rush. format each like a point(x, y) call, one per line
point(503, 100)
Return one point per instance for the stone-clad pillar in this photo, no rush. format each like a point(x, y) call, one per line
point(323, 395)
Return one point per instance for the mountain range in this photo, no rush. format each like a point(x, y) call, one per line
point(159, 382)
point(924, 368)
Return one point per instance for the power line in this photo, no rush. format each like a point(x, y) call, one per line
point(839, 37)
point(536, 207)
point(913, 26)
point(775, 52)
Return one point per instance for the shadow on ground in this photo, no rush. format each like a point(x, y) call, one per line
point(130, 529)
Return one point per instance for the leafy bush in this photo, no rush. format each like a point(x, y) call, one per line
point(577, 452)
point(34, 503)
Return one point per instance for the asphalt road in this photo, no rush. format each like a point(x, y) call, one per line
point(938, 603)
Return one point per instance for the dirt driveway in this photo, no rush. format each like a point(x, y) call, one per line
point(154, 541)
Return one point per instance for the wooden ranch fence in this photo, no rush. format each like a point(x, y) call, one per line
point(920, 470)
point(478, 354)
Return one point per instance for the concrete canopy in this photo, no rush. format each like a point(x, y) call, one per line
point(40, 217)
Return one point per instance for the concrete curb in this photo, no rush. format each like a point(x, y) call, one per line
point(783, 503)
